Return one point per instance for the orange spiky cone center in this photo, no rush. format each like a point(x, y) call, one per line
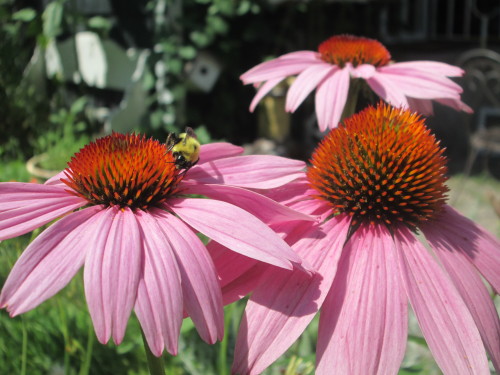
point(342, 49)
point(123, 170)
point(381, 165)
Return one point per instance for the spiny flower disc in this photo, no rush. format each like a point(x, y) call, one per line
point(123, 170)
point(381, 165)
point(341, 49)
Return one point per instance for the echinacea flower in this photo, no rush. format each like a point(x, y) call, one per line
point(123, 213)
point(376, 181)
point(341, 59)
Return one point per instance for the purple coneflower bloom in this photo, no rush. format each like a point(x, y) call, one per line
point(376, 180)
point(342, 58)
point(123, 214)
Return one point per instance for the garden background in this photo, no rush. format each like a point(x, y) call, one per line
point(71, 70)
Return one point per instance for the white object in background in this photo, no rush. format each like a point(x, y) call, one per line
point(91, 58)
point(203, 71)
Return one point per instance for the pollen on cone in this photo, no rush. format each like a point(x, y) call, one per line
point(123, 170)
point(341, 49)
point(381, 165)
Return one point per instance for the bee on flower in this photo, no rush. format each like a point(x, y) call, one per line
point(127, 216)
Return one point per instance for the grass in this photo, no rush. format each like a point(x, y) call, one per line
point(57, 337)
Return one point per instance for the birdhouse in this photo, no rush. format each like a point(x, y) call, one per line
point(203, 71)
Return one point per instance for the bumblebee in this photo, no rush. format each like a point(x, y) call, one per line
point(185, 148)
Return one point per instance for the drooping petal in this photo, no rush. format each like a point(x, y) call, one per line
point(479, 246)
point(49, 262)
point(238, 274)
point(258, 205)
point(159, 305)
point(306, 82)
point(236, 229)
point(263, 90)
point(445, 321)
point(422, 106)
point(229, 264)
point(25, 206)
point(456, 104)
point(112, 272)
point(365, 310)
point(472, 289)
point(249, 171)
point(200, 289)
point(417, 84)
point(434, 67)
point(284, 66)
point(218, 150)
point(387, 90)
point(286, 302)
point(331, 96)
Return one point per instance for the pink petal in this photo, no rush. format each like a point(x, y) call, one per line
point(364, 71)
point(218, 150)
point(444, 319)
point(25, 206)
point(365, 310)
point(480, 247)
point(112, 271)
point(305, 83)
point(236, 229)
point(49, 262)
point(202, 295)
point(331, 96)
point(56, 180)
point(263, 90)
point(250, 171)
point(417, 84)
point(471, 288)
point(159, 305)
point(456, 104)
point(238, 274)
point(433, 67)
point(422, 106)
point(388, 90)
point(284, 66)
point(258, 205)
point(229, 264)
point(286, 302)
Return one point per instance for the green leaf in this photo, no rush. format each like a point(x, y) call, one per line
point(187, 52)
point(24, 15)
point(99, 23)
point(52, 17)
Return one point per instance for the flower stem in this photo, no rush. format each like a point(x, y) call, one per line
point(222, 359)
point(352, 99)
point(155, 364)
point(24, 350)
point(85, 369)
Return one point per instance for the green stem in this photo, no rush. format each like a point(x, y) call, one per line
point(65, 332)
point(24, 352)
point(222, 360)
point(352, 99)
point(85, 369)
point(155, 364)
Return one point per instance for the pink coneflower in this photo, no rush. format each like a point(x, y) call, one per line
point(124, 215)
point(344, 58)
point(376, 180)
